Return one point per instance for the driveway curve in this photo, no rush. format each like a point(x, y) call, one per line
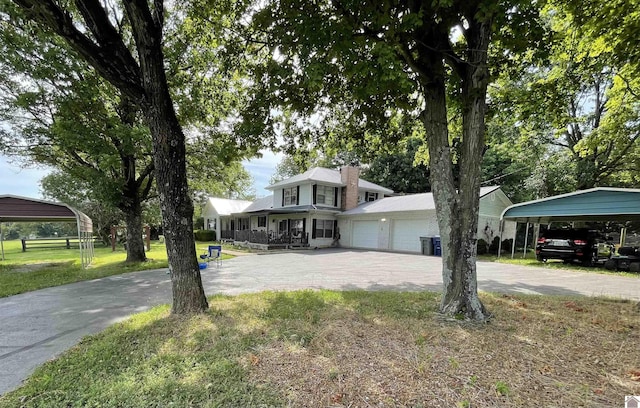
point(39, 325)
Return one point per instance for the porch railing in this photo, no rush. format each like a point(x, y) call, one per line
point(271, 238)
point(226, 234)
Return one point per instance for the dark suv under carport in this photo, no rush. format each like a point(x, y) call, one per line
point(573, 245)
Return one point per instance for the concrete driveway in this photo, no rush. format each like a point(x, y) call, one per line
point(37, 326)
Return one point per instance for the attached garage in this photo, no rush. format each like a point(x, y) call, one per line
point(397, 223)
point(405, 234)
point(364, 234)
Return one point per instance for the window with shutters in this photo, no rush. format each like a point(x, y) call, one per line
point(369, 196)
point(324, 228)
point(325, 195)
point(290, 196)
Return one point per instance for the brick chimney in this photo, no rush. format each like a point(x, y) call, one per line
point(349, 176)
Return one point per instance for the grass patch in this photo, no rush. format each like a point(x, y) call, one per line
point(531, 260)
point(37, 269)
point(327, 348)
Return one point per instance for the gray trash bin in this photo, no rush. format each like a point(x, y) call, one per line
point(427, 245)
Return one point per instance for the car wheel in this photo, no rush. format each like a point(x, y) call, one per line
point(588, 261)
point(634, 267)
point(610, 265)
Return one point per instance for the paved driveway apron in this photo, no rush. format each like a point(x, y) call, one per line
point(37, 326)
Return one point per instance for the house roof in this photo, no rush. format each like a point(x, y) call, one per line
point(261, 204)
point(601, 203)
point(225, 206)
point(326, 176)
point(411, 202)
point(265, 204)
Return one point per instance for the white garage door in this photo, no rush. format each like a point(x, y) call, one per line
point(405, 235)
point(365, 234)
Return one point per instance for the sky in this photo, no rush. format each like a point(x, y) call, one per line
point(261, 169)
point(25, 182)
point(16, 180)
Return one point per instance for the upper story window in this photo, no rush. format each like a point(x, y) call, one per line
point(369, 196)
point(325, 195)
point(290, 196)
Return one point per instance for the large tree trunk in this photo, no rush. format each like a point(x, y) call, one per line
point(457, 206)
point(170, 162)
point(144, 81)
point(135, 243)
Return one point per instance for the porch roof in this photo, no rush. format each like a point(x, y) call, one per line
point(288, 210)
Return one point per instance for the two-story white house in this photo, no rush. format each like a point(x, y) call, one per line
point(303, 209)
point(323, 208)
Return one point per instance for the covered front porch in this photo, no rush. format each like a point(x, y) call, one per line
point(270, 231)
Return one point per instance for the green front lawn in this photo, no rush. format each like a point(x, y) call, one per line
point(360, 349)
point(531, 260)
point(42, 268)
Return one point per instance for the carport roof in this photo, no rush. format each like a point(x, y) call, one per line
point(19, 209)
point(596, 204)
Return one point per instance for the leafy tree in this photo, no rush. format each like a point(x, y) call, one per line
point(368, 59)
point(578, 99)
point(399, 171)
point(210, 173)
point(135, 66)
point(288, 167)
point(60, 187)
point(79, 125)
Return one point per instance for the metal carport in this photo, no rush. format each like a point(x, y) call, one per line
point(596, 204)
point(23, 209)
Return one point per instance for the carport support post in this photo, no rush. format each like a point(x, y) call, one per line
point(500, 231)
point(526, 238)
point(513, 244)
point(2, 241)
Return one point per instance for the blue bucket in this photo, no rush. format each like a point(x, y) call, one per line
point(203, 265)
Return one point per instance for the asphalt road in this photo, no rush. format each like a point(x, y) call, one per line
point(37, 326)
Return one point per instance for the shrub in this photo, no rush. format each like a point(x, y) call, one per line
point(506, 245)
point(482, 246)
point(205, 235)
point(495, 245)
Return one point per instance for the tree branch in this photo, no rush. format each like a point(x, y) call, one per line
point(110, 57)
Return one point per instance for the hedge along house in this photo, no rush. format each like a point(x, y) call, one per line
point(23, 209)
point(596, 204)
point(217, 215)
point(397, 223)
point(302, 212)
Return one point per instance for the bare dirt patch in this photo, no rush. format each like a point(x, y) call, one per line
point(538, 351)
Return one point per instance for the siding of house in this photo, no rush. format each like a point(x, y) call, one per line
point(210, 214)
point(254, 223)
point(305, 194)
point(491, 207)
